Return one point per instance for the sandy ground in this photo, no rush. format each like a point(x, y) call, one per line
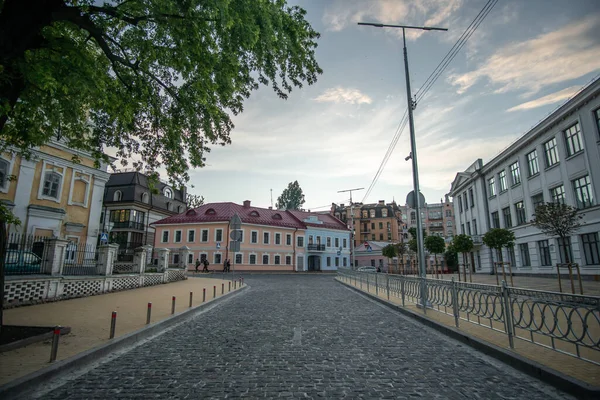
point(566, 364)
point(89, 319)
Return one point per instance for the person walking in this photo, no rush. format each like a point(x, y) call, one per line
point(197, 264)
point(205, 269)
point(228, 265)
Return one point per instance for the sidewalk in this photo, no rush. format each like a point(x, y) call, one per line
point(89, 319)
point(568, 365)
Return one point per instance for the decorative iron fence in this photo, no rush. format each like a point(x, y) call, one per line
point(566, 323)
point(80, 259)
point(26, 255)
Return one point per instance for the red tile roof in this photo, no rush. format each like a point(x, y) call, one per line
point(328, 220)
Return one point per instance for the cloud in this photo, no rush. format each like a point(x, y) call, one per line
point(567, 53)
point(548, 99)
point(344, 95)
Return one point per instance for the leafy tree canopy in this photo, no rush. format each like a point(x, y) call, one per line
point(451, 258)
point(291, 198)
point(194, 201)
point(435, 244)
point(413, 232)
point(412, 245)
point(557, 219)
point(498, 238)
point(390, 251)
point(462, 243)
point(401, 248)
point(157, 80)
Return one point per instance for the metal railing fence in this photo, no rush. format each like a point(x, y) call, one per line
point(566, 323)
point(26, 255)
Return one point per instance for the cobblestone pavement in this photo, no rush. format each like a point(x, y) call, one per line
point(301, 337)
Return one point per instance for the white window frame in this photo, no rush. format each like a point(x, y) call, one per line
point(145, 198)
point(202, 235)
point(251, 241)
point(175, 236)
point(162, 236)
point(328, 241)
point(384, 212)
point(117, 195)
point(336, 242)
point(288, 239)
point(372, 213)
point(291, 259)
point(250, 259)
point(9, 168)
point(168, 192)
point(215, 258)
point(41, 195)
point(275, 256)
point(298, 241)
point(241, 258)
point(85, 178)
point(268, 236)
point(277, 235)
point(262, 259)
point(217, 230)
point(188, 236)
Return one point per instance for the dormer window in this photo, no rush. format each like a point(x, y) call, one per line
point(372, 212)
point(384, 213)
point(254, 214)
point(210, 211)
point(179, 209)
point(277, 216)
point(364, 214)
point(117, 195)
point(191, 212)
point(168, 192)
point(145, 198)
point(169, 206)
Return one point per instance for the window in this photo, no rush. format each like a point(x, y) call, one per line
point(550, 153)
point(372, 213)
point(381, 225)
point(177, 236)
point(502, 179)
point(372, 225)
point(190, 258)
point(300, 241)
point(277, 260)
point(265, 259)
point(191, 235)
point(471, 199)
point(51, 184)
point(345, 262)
point(252, 259)
point(565, 251)
point(466, 202)
point(591, 248)
point(165, 237)
point(521, 216)
point(344, 243)
point(492, 186)
point(381, 236)
point(573, 140)
point(238, 258)
point(525, 259)
point(337, 242)
point(495, 220)
point(175, 258)
point(288, 239)
point(204, 235)
point(373, 237)
point(337, 261)
point(329, 261)
point(266, 237)
point(117, 195)
point(328, 241)
point(474, 227)
point(145, 198)
point(544, 248)
point(218, 235)
point(557, 194)
point(241, 235)
point(364, 214)
point(537, 200)
point(288, 260)
point(217, 258)
point(384, 213)
point(4, 167)
point(462, 229)
point(507, 217)
point(449, 223)
point(278, 238)
point(469, 228)
point(460, 207)
point(168, 193)
point(583, 191)
point(254, 237)
point(533, 167)
point(515, 173)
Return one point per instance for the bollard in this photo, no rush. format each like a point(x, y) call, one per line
point(113, 324)
point(234, 285)
point(191, 297)
point(222, 288)
point(149, 314)
point(54, 348)
point(173, 305)
point(242, 281)
point(214, 292)
point(204, 295)
point(229, 289)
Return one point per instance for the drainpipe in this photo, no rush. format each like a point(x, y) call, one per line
point(227, 245)
point(294, 248)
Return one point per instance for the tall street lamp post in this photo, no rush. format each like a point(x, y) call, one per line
point(413, 146)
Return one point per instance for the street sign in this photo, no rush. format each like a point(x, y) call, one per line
point(234, 246)
point(236, 235)
point(104, 237)
point(412, 201)
point(235, 222)
point(218, 246)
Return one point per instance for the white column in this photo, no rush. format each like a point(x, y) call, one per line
point(23, 192)
point(95, 205)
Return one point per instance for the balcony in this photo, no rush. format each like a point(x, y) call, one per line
point(315, 247)
point(477, 240)
point(129, 225)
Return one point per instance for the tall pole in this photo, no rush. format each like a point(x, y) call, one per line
point(351, 224)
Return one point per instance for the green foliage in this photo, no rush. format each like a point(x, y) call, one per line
point(498, 238)
point(557, 219)
point(390, 251)
point(7, 217)
point(158, 79)
point(451, 257)
point(413, 232)
point(435, 244)
point(462, 243)
point(412, 245)
point(291, 198)
point(401, 248)
point(194, 201)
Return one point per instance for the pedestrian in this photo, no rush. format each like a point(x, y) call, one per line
point(206, 263)
point(197, 264)
point(225, 265)
point(228, 265)
point(378, 269)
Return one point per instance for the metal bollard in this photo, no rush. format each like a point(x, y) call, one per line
point(222, 288)
point(173, 305)
point(214, 292)
point(204, 295)
point(149, 314)
point(191, 297)
point(229, 289)
point(113, 324)
point(54, 349)
point(234, 285)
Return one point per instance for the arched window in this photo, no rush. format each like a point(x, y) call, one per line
point(210, 211)
point(254, 214)
point(372, 212)
point(51, 184)
point(277, 216)
point(384, 212)
point(364, 214)
point(168, 192)
point(169, 206)
point(4, 167)
point(145, 198)
point(179, 209)
point(117, 195)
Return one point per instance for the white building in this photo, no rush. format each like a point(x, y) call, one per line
point(557, 160)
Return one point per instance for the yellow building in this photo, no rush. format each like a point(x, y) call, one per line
point(52, 195)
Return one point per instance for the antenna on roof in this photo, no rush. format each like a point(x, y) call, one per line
point(271, 198)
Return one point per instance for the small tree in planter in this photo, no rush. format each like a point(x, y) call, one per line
point(401, 250)
point(498, 238)
point(562, 220)
point(435, 245)
point(463, 244)
point(451, 259)
point(389, 251)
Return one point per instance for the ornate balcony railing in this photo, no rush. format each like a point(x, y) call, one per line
point(316, 247)
point(129, 225)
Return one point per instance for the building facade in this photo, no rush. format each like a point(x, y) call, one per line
point(438, 219)
point(271, 240)
point(53, 196)
point(131, 206)
point(556, 161)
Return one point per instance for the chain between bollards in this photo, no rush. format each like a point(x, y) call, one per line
point(54, 349)
point(173, 305)
point(191, 297)
point(204, 295)
point(149, 314)
point(113, 324)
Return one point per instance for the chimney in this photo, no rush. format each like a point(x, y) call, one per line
point(246, 203)
point(382, 202)
point(342, 205)
point(270, 208)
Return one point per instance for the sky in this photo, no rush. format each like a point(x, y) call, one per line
point(524, 60)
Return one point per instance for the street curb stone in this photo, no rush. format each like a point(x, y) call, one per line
point(19, 387)
point(576, 387)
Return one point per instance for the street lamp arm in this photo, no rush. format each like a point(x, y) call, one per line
point(424, 28)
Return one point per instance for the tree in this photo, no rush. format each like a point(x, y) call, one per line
point(401, 250)
point(451, 257)
point(557, 219)
point(435, 245)
point(291, 198)
point(463, 244)
point(389, 251)
point(194, 201)
point(498, 238)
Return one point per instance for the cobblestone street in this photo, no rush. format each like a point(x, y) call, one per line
point(302, 336)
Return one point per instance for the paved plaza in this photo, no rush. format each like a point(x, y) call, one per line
point(301, 336)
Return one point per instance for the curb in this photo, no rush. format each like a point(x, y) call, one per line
point(573, 386)
point(34, 339)
point(34, 380)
